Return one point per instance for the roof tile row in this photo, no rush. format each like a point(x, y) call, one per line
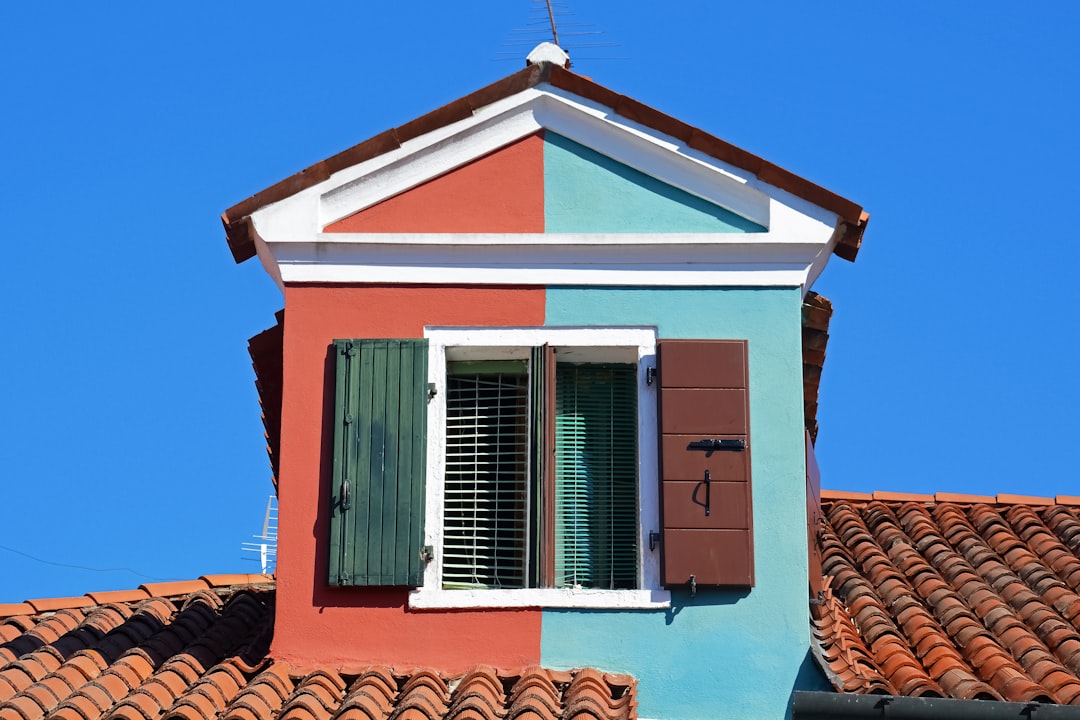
point(199, 650)
point(148, 590)
point(946, 497)
point(964, 600)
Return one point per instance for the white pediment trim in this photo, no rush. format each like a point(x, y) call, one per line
point(294, 248)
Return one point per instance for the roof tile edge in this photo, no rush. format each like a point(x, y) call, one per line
point(161, 590)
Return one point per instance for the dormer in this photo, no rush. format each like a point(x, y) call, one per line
point(541, 395)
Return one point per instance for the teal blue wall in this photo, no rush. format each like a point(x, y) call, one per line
point(585, 191)
point(721, 654)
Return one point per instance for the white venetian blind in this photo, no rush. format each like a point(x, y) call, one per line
point(486, 487)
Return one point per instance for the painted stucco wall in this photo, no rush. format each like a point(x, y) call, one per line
point(716, 655)
point(315, 622)
point(587, 192)
point(720, 654)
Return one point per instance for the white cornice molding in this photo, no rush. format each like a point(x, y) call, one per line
point(544, 259)
point(794, 250)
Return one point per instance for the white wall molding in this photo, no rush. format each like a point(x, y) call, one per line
point(684, 259)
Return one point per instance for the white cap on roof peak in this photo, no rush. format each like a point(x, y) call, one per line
point(548, 52)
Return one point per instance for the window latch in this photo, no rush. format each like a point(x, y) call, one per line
point(709, 445)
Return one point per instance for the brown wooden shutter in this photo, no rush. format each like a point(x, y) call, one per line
point(704, 396)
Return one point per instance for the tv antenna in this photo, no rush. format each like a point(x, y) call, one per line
point(551, 18)
point(266, 546)
point(552, 21)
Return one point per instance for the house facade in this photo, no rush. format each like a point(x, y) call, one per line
point(540, 410)
point(540, 377)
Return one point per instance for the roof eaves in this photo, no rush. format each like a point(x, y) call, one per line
point(239, 231)
point(241, 236)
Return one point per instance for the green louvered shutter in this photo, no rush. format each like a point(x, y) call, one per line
point(485, 526)
point(596, 476)
point(380, 444)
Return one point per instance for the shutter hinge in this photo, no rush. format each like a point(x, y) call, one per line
point(650, 375)
point(432, 391)
point(345, 495)
point(654, 539)
point(427, 554)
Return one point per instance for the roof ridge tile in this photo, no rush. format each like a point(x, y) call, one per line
point(232, 579)
point(41, 605)
point(15, 609)
point(174, 587)
point(109, 597)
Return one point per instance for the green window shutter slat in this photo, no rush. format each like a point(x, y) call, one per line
point(596, 476)
point(380, 443)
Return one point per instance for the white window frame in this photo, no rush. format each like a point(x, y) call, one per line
point(505, 343)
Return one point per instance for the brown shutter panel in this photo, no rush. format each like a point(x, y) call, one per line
point(704, 396)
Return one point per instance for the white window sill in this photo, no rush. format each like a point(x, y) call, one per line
point(426, 599)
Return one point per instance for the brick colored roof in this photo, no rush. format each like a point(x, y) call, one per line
point(241, 235)
point(961, 596)
point(200, 649)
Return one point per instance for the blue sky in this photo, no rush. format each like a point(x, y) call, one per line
point(130, 427)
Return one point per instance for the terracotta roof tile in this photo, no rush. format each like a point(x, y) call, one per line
point(971, 597)
point(168, 589)
point(47, 604)
point(202, 655)
point(217, 581)
point(118, 596)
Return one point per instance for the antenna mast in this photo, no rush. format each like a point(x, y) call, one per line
point(267, 548)
point(551, 17)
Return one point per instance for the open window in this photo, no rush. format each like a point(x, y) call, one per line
point(542, 449)
point(526, 467)
point(541, 473)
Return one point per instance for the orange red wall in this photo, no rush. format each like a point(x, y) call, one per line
point(318, 623)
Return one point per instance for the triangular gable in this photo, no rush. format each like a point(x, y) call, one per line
point(544, 183)
point(630, 196)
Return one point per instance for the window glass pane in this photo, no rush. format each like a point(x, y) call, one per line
point(596, 476)
point(486, 496)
